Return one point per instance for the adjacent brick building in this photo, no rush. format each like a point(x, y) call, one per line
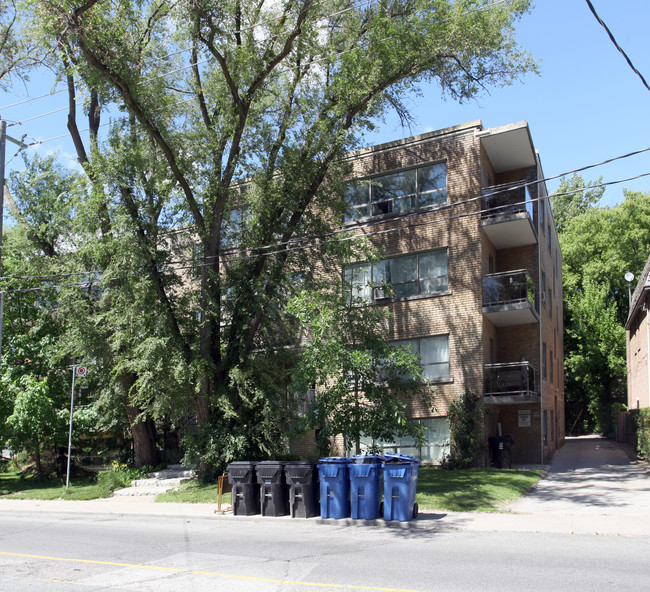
point(638, 344)
point(475, 274)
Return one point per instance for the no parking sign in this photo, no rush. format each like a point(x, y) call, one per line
point(81, 371)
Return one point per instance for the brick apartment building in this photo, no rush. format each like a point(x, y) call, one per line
point(475, 270)
point(638, 344)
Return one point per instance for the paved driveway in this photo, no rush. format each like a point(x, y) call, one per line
point(590, 475)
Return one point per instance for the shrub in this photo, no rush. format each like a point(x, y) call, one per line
point(643, 433)
point(119, 476)
point(466, 427)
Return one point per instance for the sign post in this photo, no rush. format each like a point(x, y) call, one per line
point(79, 371)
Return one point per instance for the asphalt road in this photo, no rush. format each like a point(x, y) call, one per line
point(68, 553)
point(586, 526)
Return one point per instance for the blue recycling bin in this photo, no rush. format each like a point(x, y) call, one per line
point(334, 487)
point(400, 474)
point(365, 474)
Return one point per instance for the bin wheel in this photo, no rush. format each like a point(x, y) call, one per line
point(381, 509)
point(415, 510)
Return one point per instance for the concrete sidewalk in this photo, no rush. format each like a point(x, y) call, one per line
point(590, 476)
point(592, 488)
point(603, 524)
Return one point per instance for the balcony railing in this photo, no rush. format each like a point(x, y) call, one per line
point(510, 287)
point(510, 383)
point(509, 198)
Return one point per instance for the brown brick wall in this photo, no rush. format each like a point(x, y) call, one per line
point(458, 312)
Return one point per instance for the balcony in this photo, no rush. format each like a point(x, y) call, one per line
point(508, 215)
point(509, 298)
point(510, 383)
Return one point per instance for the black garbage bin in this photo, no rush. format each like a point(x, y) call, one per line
point(273, 488)
point(302, 479)
point(501, 449)
point(245, 491)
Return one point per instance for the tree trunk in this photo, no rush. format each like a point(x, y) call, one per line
point(143, 430)
point(37, 459)
point(145, 451)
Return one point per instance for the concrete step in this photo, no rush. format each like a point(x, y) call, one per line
point(172, 474)
point(168, 483)
point(138, 491)
point(158, 482)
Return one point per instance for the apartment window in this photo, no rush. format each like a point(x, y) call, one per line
point(434, 448)
point(358, 278)
point(548, 236)
point(409, 275)
point(545, 427)
point(434, 354)
point(232, 227)
point(542, 213)
point(550, 302)
point(544, 360)
point(397, 192)
point(550, 362)
point(543, 289)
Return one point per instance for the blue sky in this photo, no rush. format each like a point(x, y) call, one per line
point(585, 107)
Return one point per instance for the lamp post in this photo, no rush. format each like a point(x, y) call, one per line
point(629, 278)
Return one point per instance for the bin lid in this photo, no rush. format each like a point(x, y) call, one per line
point(335, 460)
point(241, 463)
point(392, 458)
point(269, 463)
point(300, 463)
point(364, 459)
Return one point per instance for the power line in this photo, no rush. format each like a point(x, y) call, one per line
point(29, 100)
point(611, 36)
point(260, 250)
point(351, 233)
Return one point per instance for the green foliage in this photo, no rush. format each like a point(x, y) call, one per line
point(599, 244)
point(643, 433)
point(17, 54)
point(466, 429)
point(573, 198)
point(362, 383)
point(181, 325)
point(116, 478)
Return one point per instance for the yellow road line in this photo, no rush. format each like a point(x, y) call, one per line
point(204, 573)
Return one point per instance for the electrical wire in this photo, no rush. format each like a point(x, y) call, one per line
point(613, 39)
point(260, 250)
point(315, 242)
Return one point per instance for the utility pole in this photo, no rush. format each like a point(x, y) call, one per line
point(3, 144)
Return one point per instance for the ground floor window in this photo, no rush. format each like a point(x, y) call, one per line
point(434, 449)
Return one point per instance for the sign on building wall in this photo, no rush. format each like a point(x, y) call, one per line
point(524, 419)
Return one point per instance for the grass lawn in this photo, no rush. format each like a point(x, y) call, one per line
point(11, 485)
point(193, 493)
point(470, 490)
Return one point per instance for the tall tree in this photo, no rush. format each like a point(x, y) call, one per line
point(249, 108)
point(599, 244)
point(18, 54)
